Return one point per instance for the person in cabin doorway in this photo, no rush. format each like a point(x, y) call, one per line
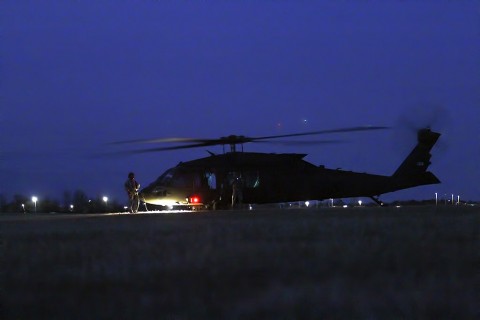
point(237, 192)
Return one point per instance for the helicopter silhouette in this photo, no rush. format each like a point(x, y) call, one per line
point(275, 178)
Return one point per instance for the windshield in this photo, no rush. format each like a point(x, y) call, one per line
point(166, 177)
point(179, 178)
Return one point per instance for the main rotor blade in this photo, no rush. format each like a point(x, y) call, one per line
point(352, 129)
point(160, 140)
point(299, 142)
point(239, 139)
point(187, 146)
point(198, 145)
point(232, 139)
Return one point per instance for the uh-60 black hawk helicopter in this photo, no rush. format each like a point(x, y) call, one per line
point(275, 178)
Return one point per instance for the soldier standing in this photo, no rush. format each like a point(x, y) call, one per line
point(132, 186)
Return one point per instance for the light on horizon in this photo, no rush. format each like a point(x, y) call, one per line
point(34, 200)
point(105, 199)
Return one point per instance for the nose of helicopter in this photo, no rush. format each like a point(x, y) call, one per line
point(159, 196)
point(147, 196)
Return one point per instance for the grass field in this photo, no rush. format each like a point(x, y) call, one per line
point(377, 263)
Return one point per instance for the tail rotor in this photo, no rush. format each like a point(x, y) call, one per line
point(423, 116)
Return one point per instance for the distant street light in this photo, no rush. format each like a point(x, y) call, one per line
point(436, 199)
point(105, 199)
point(23, 207)
point(360, 203)
point(35, 199)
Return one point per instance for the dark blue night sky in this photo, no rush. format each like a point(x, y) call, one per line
point(78, 75)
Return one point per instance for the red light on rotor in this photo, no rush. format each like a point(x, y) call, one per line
point(195, 199)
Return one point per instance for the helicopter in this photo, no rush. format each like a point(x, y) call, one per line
point(207, 183)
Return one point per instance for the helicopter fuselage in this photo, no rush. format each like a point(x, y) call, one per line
point(273, 178)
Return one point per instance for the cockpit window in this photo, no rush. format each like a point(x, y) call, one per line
point(211, 180)
point(184, 179)
point(166, 178)
point(176, 177)
point(181, 180)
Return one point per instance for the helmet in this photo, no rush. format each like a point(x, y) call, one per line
point(131, 175)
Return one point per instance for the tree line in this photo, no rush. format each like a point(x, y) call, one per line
point(72, 202)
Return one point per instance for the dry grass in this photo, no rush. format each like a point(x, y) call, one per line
point(291, 264)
